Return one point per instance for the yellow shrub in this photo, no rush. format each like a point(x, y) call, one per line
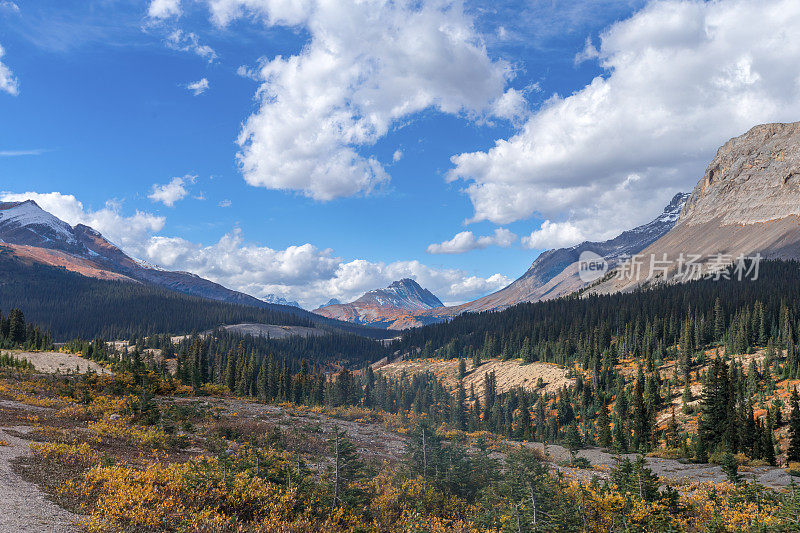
point(77, 454)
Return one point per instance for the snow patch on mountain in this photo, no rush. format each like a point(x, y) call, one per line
point(29, 215)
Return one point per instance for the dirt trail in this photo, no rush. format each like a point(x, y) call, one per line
point(25, 509)
point(669, 469)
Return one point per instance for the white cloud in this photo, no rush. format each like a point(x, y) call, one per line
point(306, 273)
point(554, 235)
point(173, 191)
point(190, 42)
point(681, 78)
point(397, 155)
point(588, 53)
point(10, 6)
point(163, 9)
point(17, 153)
point(8, 82)
point(367, 65)
point(224, 203)
point(467, 241)
point(511, 106)
point(198, 87)
point(129, 232)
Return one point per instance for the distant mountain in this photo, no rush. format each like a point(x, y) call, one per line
point(747, 202)
point(332, 301)
point(277, 300)
point(385, 307)
point(35, 236)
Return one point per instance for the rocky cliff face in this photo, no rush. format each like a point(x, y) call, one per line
point(753, 178)
point(746, 203)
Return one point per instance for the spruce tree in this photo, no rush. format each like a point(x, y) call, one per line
point(604, 437)
point(794, 428)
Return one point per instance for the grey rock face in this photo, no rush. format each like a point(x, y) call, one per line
point(753, 178)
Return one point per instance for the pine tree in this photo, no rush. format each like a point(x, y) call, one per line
point(348, 472)
point(671, 438)
point(462, 368)
point(641, 422)
point(604, 437)
point(794, 428)
point(731, 467)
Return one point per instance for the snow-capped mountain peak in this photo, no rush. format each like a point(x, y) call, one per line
point(39, 225)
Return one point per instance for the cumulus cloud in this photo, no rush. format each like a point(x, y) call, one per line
point(163, 9)
point(306, 273)
point(129, 232)
point(680, 78)
point(190, 42)
point(367, 65)
point(554, 235)
point(397, 155)
point(198, 87)
point(8, 82)
point(173, 191)
point(467, 241)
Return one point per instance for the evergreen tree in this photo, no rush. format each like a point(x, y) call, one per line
point(347, 474)
point(604, 437)
point(793, 453)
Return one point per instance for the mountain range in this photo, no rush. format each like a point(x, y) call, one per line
point(747, 202)
point(36, 236)
point(554, 273)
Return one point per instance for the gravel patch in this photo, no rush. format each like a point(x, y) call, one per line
point(25, 507)
point(62, 362)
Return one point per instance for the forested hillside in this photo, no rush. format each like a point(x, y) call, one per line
point(597, 331)
point(70, 305)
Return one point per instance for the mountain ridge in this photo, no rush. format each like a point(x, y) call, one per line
point(552, 274)
point(36, 236)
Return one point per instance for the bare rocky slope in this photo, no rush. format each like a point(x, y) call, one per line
point(746, 203)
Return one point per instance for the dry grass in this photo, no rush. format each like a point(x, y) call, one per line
point(510, 374)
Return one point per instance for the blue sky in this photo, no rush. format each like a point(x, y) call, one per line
point(333, 146)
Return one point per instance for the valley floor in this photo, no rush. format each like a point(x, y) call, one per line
point(219, 423)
